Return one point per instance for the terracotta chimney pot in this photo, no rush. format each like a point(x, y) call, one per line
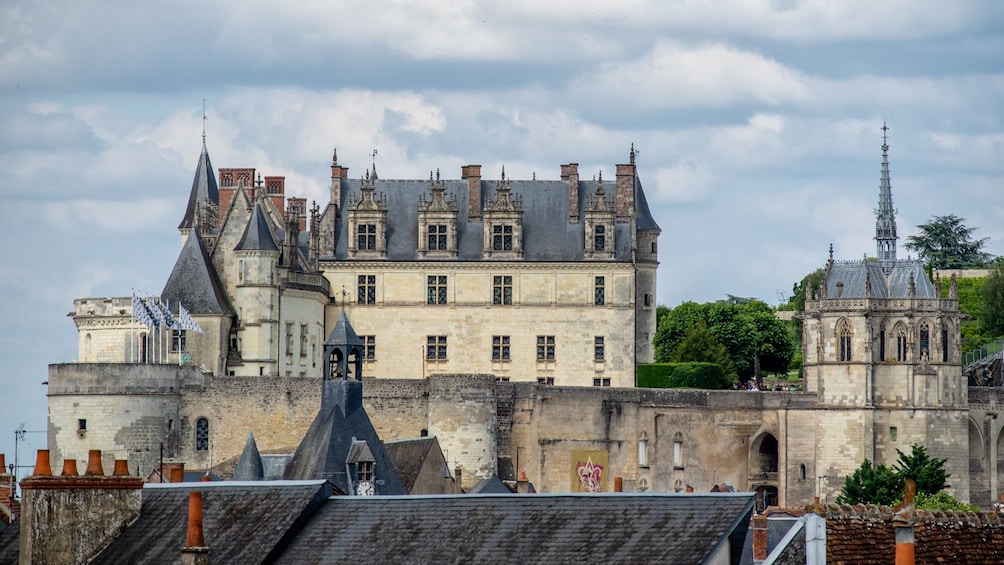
point(121, 468)
point(69, 468)
point(177, 474)
point(195, 536)
point(3, 464)
point(522, 475)
point(206, 478)
point(618, 484)
point(94, 463)
point(42, 467)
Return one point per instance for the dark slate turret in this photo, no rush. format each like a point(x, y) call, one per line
point(203, 188)
point(194, 283)
point(885, 220)
point(257, 236)
point(250, 467)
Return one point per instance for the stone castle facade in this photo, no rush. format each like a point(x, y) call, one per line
point(490, 309)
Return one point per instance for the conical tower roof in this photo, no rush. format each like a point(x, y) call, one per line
point(249, 467)
point(257, 235)
point(885, 216)
point(194, 283)
point(342, 333)
point(203, 188)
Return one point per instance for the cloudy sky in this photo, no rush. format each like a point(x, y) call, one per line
point(757, 124)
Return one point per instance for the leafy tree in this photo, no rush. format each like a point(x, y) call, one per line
point(942, 501)
point(929, 472)
point(699, 345)
point(803, 289)
point(871, 485)
point(946, 243)
point(992, 308)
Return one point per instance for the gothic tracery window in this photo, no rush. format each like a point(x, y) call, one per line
point(901, 344)
point(925, 339)
point(202, 434)
point(844, 335)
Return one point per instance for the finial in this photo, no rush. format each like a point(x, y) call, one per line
point(885, 137)
point(831, 253)
point(334, 156)
point(430, 175)
point(203, 120)
point(634, 153)
point(259, 182)
point(373, 157)
point(535, 175)
point(437, 174)
point(503, 172)
point(600, 180)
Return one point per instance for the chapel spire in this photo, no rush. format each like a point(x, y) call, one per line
point(885, 220)
point(204, 189)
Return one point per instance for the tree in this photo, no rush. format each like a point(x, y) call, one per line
point(803, 289)
point(946, 243)
point(699, 345)
point(883, 485)
point(929, 472)
point(992, 307)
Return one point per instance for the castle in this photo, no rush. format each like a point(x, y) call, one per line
point(506, 318)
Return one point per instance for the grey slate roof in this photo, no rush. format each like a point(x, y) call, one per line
point(599, 528)
point(894, 285)
point(250, 467)
point(257, 235)
point(491, 485)
point(9, 543)
point(547, 233)
point(408, 457)
point(203, 188)
point(342, 333)
point(194, 281)
point(643, 215)
point(242, 522)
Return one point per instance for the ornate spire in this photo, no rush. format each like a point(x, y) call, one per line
point(885, 216)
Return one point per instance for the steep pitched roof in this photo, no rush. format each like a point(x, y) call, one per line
point(408, 457)
point(194, 283)
point(491, 485)
point(847, 279)
point(243, 522)
point(617, 528)
point(342, 333)
point(257, 235)
point(644, 220)
point(203, 188)
point(9, 543)
point(250, 467)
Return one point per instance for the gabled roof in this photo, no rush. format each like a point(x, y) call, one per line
point(595, 528)
point(257, 235)
point(250, 467)
point(243, 522)
point(194, 283)
point(409, 456)
point(491, 485)
point(203, 188)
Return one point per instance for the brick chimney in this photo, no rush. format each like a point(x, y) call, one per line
point(472, 174)
point(275, 190)
point(759, 528)
point(337, 175)
point(71, 518)
point(570, 173)
point(230, 180)
point(625, 192)
point(522, 484)
point(195, 551)
point(298, 206)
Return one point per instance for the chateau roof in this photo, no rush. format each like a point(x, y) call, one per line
point(257, 235)
point(644, 220)
point(547, 233)
point(408, 457)
point(203, 188)
point(194, 283)
point(895, 284)
point(491, 485)
point(621, 528)
point(342, 333)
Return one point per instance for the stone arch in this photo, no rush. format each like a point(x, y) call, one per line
point(678, 450)
point(763, 454)
point(979, 471)
point(900, 339)
point(202, 434)
point(883, 339)
point(924, 338)
point(87, 346)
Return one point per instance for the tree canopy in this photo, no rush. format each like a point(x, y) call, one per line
point(946, 243)
point(992, 306)
point(882, 485)
point(749, 331)
point(699, 345)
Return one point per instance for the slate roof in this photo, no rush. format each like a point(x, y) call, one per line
point(547, 233)
point(257, 235)
point(491, 485)
point(194, 281)
point(342, 333)
point(894, 285)
point(242, 522)
point(203, 188)
point(408, 457)
point(597, 528)
point(9, 543)
point(249, 467)
point(643, 215)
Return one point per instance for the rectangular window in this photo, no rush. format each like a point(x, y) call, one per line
point(82, 425)
point(437, 289)
point(437, 237)
point(545, 380)
point(502, 237)
point(500, 348)
point(179, 340)
point(598, 348)
point(599, 291)
point(365, 469)
point(366, 289)
point(289, 338)
point(303, 340)
point(901, 348)
point(601, 382)
point(502, 289)
point(944, 345)
point(369, 347)
point(545, 348)
point(435, 347)
point(367, 237)
point(599, 238)
point(648, 300)
point(882, 344)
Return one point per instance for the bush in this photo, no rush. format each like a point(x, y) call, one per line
point(682, 375)
point(942, 501)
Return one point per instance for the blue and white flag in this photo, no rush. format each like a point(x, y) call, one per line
point(185, 320)
point(169, 320)
point(140, 312)
point(156, 312)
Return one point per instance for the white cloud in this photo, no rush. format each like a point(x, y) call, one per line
point(131, 216)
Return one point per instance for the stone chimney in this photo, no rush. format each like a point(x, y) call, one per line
point(570, 173)
point(8, 505)
point(195, 551)
point(625, 192)
point(458, 476)
point(71, 518)
point(337, 175)
point(472, 174)
point(522, 484)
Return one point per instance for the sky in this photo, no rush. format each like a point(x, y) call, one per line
point(757, 125)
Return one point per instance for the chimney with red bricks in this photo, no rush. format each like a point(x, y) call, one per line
point(275, 190)
point(70, 518)
point(230, 180)
point(472, 174)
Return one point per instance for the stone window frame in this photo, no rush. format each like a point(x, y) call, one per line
point(601, 381)
point(437, 290)
point(599, 349)
point(179, 341)
point(303, 340)
point(289, 339)
point(500, 285)
point(902, 344)
point(438, 238)
point(501, 348)
point(436, 348)
point(600, 237)
point(946, 339)
point(546, 348)
point(502, 237)
point(369, 347)
point(366, 289)
point(599, 290)
point(845, 340)
point(202, 434)
point(366, 237)
point(924, 339)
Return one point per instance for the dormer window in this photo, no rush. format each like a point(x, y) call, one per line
point(366, 234)
point(600, 238)
point(367, 222)
point(503, 221)
point(364, 471)
point(598, 224)
point(437, 222)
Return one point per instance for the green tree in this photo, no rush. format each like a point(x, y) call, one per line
point(943, 501)
point(946, 243)
point(699, 345)
point(992, 307)
point(871, 485)
point(929, 472)
point(803, 289)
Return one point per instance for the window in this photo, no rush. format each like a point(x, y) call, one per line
point(366, 237)
point(648, 300)
point(367, 289)
point(435, 347)
point(502, 289)
point(437, 237)
point(364, 470)
point(437, 289)
point(601, 382)
point(893, 433)
point(678, 451)
point(944, 343)
point(900, 344)
point(303, 340)
point(599, 291)
point(882, 344)
point(599, 238)
point(289, 338)
point(844, 335)
point(598, 349)
point(179, 340)
point(500, 348)
point(925, 340)
point(545, 380)
point(202, 434)
point(502, 237)
point(643, 450)
point(82, 425)
point(369, 347)
point(545, 348)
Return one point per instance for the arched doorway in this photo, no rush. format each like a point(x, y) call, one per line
point(763, 470)
point(979, 471)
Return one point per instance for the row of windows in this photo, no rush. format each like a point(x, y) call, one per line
point(303, 339)
point(438, 240)
point(436, 289)
point(436, 348)
point(844, 335)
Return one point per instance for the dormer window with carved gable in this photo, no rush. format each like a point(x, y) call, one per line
point(368, 222)
point(503, 226)
point(437, 222)
point(600, 214)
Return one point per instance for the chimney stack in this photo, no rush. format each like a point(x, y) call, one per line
point(195, 551)
point(178, 474)
point(472, 174)
point(337, 175)
point(903, 520)
point(759, 538)
point(70, 518)
point(8, 506)
point(618, 484)
point(570, 173)
point(522, 484)
point(275, 190)
point(458, 479)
